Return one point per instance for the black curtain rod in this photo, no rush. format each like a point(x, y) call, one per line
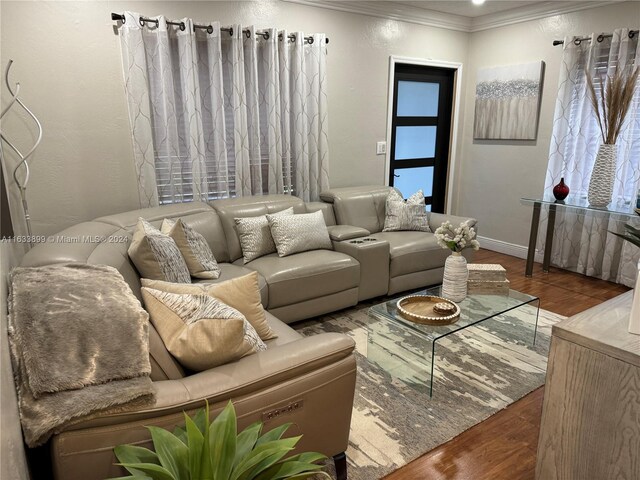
point(144, 20)
point(601, 37)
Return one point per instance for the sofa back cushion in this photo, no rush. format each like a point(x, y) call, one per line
point(230, 208)
point(359, 206)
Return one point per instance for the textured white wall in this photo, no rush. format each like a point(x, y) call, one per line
point(494, 175)
point(68, 62)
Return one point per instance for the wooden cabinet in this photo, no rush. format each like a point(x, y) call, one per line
point(591, 415)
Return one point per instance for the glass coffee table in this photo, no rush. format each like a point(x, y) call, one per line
point(387, 329)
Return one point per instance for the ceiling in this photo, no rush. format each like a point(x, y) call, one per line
point(467, 9)
point(461, 15)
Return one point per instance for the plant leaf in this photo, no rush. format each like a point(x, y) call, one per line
point(309, 475)
point(309, 457)
point(130, 477)
point(261, 452)
point(134, 454)
point(246, 441)
point(195, 439)
point(153, 471)
point(287, 469)
point(181, 433)
point(172, 453)
point(206, 468)
point(273, 434)
point(201, 418)
point(222, 442)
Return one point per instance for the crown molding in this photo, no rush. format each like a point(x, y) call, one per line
point(532, 12)
point(410, 14)
point(394, 11)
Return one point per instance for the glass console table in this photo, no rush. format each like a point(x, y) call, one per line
point(572, 203)
point(407, 349)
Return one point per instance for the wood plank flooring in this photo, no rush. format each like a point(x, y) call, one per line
point(503, 447)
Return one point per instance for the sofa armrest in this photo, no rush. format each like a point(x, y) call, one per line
point(226, 382)
point(437, 219)
point(340, 233)
point(325, 208)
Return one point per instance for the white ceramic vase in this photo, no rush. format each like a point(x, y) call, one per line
point(634, 318)
point(454, 282)
point(603, 176)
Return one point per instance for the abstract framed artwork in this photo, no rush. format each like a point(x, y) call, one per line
point(508, 102)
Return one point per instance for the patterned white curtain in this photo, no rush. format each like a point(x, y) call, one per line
point(220, 114)
point(582, 242)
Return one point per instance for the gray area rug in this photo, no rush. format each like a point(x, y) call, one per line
point(479, 371)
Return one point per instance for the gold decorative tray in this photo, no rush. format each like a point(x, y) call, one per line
point(420, 309)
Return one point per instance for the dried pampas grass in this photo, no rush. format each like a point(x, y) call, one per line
point(613, 105)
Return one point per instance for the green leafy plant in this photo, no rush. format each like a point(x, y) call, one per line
point(203, 451)
point(631, 234)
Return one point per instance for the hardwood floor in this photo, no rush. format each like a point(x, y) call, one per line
point(504, 446)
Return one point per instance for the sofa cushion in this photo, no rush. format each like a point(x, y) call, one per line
point(406, 215)
point(156, 255)
point(241, 293)
point(299, 233)
point(413, 252)
point(230, 270)
point(194, 248)
point(230, 208)
point(306, 275)
point(255, 235)
point(200, 331)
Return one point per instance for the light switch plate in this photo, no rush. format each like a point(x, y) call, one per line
point(381, 148)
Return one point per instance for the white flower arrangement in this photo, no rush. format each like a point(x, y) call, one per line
point(456, 239)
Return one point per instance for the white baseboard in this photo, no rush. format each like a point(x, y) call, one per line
point(507, 248)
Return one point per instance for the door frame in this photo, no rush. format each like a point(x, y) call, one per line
point(457, 95)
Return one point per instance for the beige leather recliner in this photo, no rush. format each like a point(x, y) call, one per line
point(415, 258)
point(307, 381)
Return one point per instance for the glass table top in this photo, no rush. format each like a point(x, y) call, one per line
point(473, 310)
point(578, 202)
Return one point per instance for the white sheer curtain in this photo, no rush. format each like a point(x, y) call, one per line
point(217, 114)
point(582, 242)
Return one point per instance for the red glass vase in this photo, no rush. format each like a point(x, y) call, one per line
point(561, 190)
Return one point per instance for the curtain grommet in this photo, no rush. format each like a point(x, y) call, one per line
point(577, 42)
point(210, 29)
point(600, 38)
point(142, 22)
point(183, 27)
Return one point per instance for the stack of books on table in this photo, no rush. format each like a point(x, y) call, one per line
point(488, 279)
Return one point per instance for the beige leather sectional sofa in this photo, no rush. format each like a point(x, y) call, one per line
point(308, 381)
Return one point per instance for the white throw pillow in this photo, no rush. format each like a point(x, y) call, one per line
point(409, 215)
point(200, 331)
point(193, 247)
point(299, 233)
point(255, 235)
point(156, 255)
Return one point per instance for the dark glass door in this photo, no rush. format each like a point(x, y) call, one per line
point(421, 131)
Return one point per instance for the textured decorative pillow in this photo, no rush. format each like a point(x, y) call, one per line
point(156, 255)
point(255, 235)
point(241, 293)
point(200, 331)
point(299, 233)
point(193, 247)
point(409, 215)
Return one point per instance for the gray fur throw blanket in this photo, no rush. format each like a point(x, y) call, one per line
point(79, 346)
